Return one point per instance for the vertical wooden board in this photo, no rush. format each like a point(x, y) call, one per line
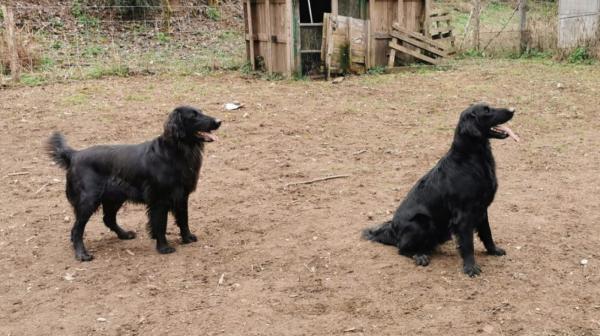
point(250, 33)
point(290, 40)
point(278, 29)
point(382, 15)
point(268, 17)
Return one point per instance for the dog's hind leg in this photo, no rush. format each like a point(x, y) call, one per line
point(158, 227)
point(110, 209)
point(414, 241)
point(180, 210)
point(485, 234)
point(83, 212)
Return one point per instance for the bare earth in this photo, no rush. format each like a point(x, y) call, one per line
point(277, 260)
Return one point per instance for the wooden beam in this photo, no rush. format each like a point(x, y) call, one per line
point(250, 41)
point(334, 7)
point(413, 53)
point(392, 58)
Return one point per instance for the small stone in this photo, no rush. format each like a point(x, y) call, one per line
point(560, 86)
point(69, 277)
point(101, 319)
point(583, 262)
point(67, 219)
point(338, 80)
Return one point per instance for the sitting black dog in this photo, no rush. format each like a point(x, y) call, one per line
point(453, 197)
point(160, 173)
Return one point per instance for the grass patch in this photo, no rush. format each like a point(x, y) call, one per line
point(32, 80)
point(213, 13)
point(77, 99)
point(580, 55)
point(99, 71)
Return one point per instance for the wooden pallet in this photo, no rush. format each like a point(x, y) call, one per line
point(416, 45)
point(439, 28)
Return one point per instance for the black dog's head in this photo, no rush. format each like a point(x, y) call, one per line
point(486, 122)
point(188, 124)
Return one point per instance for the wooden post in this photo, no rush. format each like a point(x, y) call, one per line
point(11, 43)
point(167, 13)
point(476, 22)
point(426, 22)
point(290, 40)
point(269, 57)
point(523, 25)
point(250, 35)
point(334, 7)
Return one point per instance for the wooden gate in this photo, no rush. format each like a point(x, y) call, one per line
point(268, 35)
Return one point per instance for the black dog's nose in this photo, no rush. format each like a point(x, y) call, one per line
point(217, 123)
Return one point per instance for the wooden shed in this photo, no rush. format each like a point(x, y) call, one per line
point(290, 36)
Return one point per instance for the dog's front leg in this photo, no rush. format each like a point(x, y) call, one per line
point(485, 234)
point(464, 231)
point(180, 210)
point(158, 225)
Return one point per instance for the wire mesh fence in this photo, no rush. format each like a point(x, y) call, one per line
point(75, 41)
point(500, 30)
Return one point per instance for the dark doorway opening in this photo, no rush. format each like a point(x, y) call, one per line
point(311, 11)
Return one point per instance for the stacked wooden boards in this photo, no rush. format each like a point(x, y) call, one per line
point(344, 48)
point(416, 45)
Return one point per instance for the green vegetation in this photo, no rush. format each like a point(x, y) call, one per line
point(580, 55)
point(376, 70)
point(100, 71)
point(32, 80)
point(213, 13)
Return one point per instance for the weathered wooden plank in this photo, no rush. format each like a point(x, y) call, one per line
point(11, 44)
point(392, 57)
point(288, 31)
point(269, 33)
point(413, 53)
point(418, 36)
point(434, 49)
point(265, 38)
point(440, 18)
point(250, 33)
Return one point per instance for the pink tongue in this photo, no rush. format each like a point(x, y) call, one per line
point(209, 136)
point(509, 132)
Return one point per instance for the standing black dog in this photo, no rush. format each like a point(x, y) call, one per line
point(453, 197)
point(160, 173)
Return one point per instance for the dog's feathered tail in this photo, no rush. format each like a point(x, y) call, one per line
point(382, 233)
point(59, 151)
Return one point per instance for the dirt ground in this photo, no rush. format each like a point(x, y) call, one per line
point(277, 260)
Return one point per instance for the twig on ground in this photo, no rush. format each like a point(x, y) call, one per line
point(42, 188)
point(16, 174)
point(317, 180)
point(359, 152)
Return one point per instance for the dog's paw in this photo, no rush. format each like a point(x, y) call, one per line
point(421, 259)
point(497, 252)
point(84, 256)
point(472, 270)
point(127, 235)
point(191, 238)
point(165, 249)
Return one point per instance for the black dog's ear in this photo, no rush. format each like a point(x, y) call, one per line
point(174, 126)
point(469, 125)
